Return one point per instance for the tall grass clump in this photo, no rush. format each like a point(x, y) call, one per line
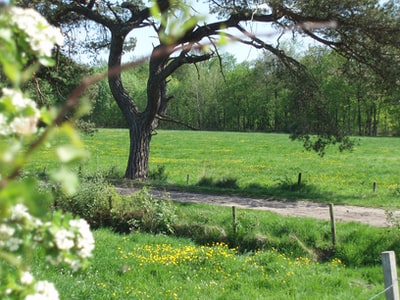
point(142, 212)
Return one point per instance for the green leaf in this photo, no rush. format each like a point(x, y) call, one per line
point(24, 191)
point(155, 11)
point(84, 108)
point(70, 153)
point(68, 180)
point(47, 116)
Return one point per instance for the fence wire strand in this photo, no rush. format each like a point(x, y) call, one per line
point(384, 291)
point(380, 293)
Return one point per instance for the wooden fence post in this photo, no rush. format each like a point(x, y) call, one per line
point(234, 224)
point(390, 275)
point(187, 179)
point(374, 187)
point(333, 224)
point(299, 180)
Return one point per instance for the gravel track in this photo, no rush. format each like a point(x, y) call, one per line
point(343, 213)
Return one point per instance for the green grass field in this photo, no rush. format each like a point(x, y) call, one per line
point(143, 266)
point(262, 164)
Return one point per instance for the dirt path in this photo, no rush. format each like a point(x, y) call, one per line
point(343, 213)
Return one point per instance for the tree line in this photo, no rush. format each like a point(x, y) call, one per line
point(263, 95)
point(259, 95)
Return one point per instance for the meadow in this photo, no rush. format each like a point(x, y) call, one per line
point(143, 266)
point(259, 164)
point(275, 257)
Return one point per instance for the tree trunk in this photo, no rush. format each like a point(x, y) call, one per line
point(139, 149)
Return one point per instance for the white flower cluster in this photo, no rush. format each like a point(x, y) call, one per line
point(78, 239)
point(73, 243)
point(66, 241)
point(44, 290)
point(18, 115)
point(40, 35)
point(85, 240)
point(7, 238)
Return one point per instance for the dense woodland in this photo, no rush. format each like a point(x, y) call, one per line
point(261, 95)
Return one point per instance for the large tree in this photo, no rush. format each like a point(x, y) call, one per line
point(366, 31)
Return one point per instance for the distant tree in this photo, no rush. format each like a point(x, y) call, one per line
point(366, 31)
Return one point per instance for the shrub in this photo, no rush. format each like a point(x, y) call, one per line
point(86, 127)
point(227, 183)
point(92, 202)
point(205, 181)
point(140, 211)
point(159, 174)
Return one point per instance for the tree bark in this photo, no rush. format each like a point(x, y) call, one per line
point(139, 149)
point(139, 123)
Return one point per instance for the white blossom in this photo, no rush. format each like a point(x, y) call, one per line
point(26, 278)
point(44, 290)
point(17, 98)
point(23, 117)
point(6, 232)
point(64, 239)
point(40, 34)
point(13, 244)
point(75, 264)
point(85, 240)
point(24, 126)
point(19, 212)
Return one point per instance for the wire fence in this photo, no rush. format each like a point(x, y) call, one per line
point(390, 277)
point(380, 293)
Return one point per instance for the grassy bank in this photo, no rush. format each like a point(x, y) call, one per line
point(141, 266)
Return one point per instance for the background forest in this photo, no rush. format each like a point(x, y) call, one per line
point(260, 95)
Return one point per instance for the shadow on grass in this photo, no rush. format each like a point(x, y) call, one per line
point(285, 188)
point(281, 191)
